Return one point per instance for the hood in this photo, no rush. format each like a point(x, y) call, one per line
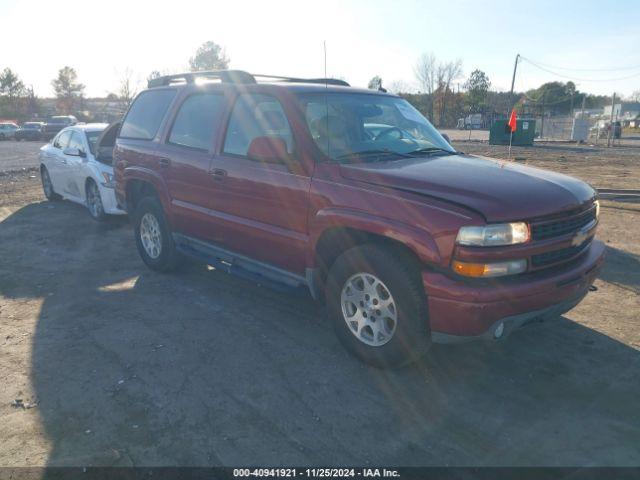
point(499, 190)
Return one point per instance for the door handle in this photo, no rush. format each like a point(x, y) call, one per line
point(218, 173)
point(164, 162)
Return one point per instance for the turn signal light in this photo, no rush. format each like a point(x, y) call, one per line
point(499, 269)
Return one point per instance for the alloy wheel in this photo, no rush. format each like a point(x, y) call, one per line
point(150, 235)
point(369, 310)
point(94, 201)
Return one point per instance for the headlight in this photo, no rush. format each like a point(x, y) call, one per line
point(597, 202)
point(483, 270)
point(494, 235)
point(108, 180)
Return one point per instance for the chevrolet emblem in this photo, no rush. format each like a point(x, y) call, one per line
point(582, 234)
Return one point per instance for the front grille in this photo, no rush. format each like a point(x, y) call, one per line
point(563, 226)
point(555, 256)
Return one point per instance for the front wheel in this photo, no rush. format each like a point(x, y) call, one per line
point(153, 236)
point(376, 303)
point(94, 202)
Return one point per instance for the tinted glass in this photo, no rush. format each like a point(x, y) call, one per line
point(146, 114)
point(62, 140)
point(346, 126)
point(254, 116)
point(76, 141)
point(196, 121)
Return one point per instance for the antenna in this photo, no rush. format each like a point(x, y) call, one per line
point(326, 99)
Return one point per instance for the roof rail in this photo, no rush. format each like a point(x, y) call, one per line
point(235, 76)
point(225, 76)
point(328, 81)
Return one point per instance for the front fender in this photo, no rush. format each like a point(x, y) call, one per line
point(416, 239)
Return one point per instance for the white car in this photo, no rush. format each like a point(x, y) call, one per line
point(71, 169)
point(8, 130)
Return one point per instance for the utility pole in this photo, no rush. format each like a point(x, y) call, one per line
point(513, 79)
point(610, 134)
point(544, 93)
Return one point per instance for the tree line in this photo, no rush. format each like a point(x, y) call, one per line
point(443, 95)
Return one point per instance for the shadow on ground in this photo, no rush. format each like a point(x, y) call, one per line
point(200, 368)
point(623, 268)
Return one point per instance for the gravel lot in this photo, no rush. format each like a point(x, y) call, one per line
point(129, 367)
point(17, 155)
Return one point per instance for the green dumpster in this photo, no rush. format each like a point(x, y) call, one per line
point(523, 136)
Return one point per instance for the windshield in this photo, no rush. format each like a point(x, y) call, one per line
point(348, 126)
point(31, 126)
point(92, 138)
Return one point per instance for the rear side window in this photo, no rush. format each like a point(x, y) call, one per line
point(146, 114)
point(196, 121)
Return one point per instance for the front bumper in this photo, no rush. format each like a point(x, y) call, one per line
point(109, 202)
point(459, 311)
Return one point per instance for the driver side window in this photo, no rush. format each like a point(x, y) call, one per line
point(253, 116)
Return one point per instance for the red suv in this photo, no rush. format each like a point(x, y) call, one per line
point(353, 194)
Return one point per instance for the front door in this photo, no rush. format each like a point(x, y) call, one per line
point(262, 207)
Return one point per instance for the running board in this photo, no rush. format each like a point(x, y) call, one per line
point(237, 264)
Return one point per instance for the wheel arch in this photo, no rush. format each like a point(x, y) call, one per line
point(336, 231)
point(140, 183)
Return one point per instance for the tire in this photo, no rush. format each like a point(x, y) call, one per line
point(397, 274)
point(94, 201)
point(150, 222)
point(47, 186)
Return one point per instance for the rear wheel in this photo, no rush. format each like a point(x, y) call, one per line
point(153, 236)
point(47, 186)
point(376, 302)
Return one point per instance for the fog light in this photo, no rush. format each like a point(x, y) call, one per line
point(497, 333)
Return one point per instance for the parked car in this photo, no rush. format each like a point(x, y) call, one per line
point(71, 168)
point(55, 124)
point(293, 182)
point(30, 131)
point(8, 130)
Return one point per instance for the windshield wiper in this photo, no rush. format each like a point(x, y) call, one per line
point(373, 153)
point(427, 150)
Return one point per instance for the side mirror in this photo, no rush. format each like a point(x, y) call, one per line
point(268, 150)
point(74, 152)
point(446, 137)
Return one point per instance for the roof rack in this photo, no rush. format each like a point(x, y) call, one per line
point(237, 77)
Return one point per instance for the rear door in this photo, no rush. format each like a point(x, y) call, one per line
point(185, 158)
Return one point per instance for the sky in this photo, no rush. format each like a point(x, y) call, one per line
point(363, 38)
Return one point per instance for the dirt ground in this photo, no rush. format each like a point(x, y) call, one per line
point(124, 366)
